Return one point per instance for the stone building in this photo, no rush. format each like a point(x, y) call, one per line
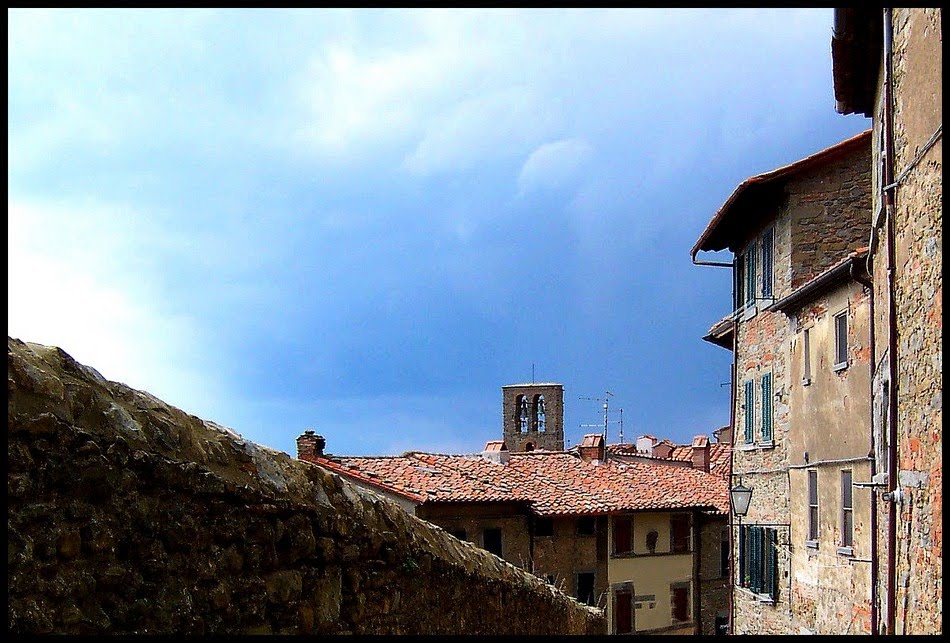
point(788, 229)
point(642, 540)
point(533, 416)
point(888, 65)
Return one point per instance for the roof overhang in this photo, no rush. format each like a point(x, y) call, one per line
point(856, 44)
point(721, 334)
point(747, 207)
point(840, 273)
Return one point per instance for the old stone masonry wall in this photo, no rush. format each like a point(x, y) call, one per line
point(126, 515)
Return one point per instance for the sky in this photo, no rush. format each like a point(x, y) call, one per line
point(366, 222)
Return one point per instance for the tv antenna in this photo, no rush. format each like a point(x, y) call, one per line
point(607, 420)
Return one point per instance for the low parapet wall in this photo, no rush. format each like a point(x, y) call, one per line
point(126, 515)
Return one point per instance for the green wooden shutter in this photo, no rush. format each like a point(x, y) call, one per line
point(771, 563)
point(750, 276)
point(749, 413)
point(767, 407)
point(744, 557)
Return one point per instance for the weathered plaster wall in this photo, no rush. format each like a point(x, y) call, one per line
point(126, 515)
point(918, 225)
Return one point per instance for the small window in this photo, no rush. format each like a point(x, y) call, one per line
point(492, 540)
point(749, 412)
point(679, 533)
point(544, 527)
point(623, 529)
point(623, 612)
point(585, 588)
point(679, 595)
point(806, 349)
point(585, 526)
point(767, 243)
point(841, 340)
point(847, 510)
point(529, 446)
point(458, 533)
point(767, 407)
point(813, 506)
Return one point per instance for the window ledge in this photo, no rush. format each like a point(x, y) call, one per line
point(846, 551)
point(766, 445)
point(811, 544)
point(762, 598)
point(839, 367)
point(757, 446)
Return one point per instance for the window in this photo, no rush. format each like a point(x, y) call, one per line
point(847, 510)
point(458, 533)
point(539, 414)
point(767, 407)
point(585, 587)
point(679, 602)
point(841, 341)
point(623, 529)
point(492, 540)
point(750, 277)
point(679, 533)
point(749, 413)
point(758, 560)
point(623, 612)
point(724, 554)
point(585, 526)
point(813, 507)
point(544, 527)
point(767, 243)
point(806, 349)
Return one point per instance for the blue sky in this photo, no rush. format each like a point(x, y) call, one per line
point(366, 222)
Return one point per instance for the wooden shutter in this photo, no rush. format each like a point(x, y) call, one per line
point(767, 407)
point(749, 413)
point(750, 276)
point(756, 563)
point(767, 239)
point(770, 571)
point(743, 566)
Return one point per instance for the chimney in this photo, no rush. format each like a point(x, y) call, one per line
point(310, 445)
point(496, 451)
point(662, 449)
point(592, 449)
point(700, 458)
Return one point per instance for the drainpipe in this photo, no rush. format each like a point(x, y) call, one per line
point(888, 195)
point(732, 431)
point(859, 277)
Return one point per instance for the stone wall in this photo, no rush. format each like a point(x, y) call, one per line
point(126, 515)
point(713, 584)
point(918, 225)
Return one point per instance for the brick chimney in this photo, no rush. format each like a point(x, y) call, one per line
point(700, 459)
point(592, 448)
point(310, 445)
point(662, 449)
point(496, 451)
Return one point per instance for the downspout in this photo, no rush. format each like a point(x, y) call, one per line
point(732, 431)
point(859, 277)
point(888, 195)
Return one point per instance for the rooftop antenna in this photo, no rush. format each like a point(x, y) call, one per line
point(607, 421)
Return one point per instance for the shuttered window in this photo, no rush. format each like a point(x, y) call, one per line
point(767, 407)
point(767, 240)
point(841, 340)
point(813, 505)
point(847, 510)
point(749, 414)
point(759, 560)
point(750, 276)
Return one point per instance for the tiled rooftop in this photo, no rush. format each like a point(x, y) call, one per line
point(718, 454)
point(553, 482)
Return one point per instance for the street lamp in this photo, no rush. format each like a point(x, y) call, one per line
point(741, 497)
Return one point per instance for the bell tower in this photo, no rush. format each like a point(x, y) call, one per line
point(533, 416)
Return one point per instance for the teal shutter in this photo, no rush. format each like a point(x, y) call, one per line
point(767, 262)
point(744, 567)
point(750, 276)
point(767, 407)
point(749, 413)
point(771, 563)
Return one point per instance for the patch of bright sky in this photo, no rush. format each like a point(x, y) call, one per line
point(367, 221)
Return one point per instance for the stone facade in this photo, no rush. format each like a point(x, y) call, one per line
point(918, 250)
point(126, 515)
point(713, 573)
point(532, 434)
